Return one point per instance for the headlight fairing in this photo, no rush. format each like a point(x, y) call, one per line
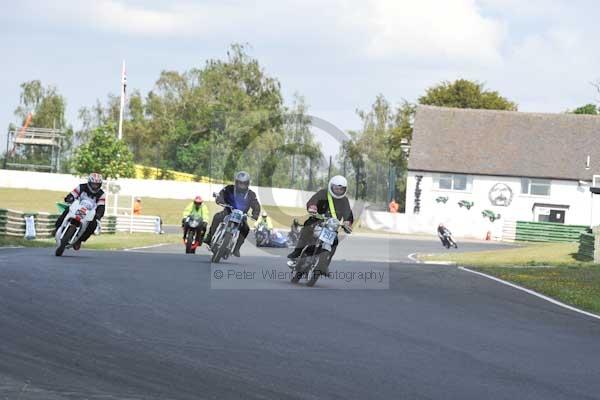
point(333, 224)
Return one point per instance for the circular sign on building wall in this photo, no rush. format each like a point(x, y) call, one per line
point(501, 195)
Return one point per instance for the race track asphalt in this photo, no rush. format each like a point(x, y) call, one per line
point(158, 325)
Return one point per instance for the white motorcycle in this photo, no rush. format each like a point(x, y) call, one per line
point(81, 213)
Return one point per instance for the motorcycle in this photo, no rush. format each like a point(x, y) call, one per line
point(315, 257)
point(274, 238)
point(293, 236)
point(262, 236)
point(74, 225)
point(194, 234)
point(227, 233)
point(448, 240)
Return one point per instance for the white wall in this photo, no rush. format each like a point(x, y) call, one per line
point(470, 223)
point(149, 188)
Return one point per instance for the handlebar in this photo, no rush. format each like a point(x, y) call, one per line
point(232, 208)
point(322, 217)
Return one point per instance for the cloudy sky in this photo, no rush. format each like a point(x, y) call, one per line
point(339, 54)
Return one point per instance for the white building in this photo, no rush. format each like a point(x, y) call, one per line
point(473, 170)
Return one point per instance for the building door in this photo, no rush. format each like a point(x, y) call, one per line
point(557, 216)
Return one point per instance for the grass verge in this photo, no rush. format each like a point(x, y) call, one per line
point(169, 210)
point(577, 285)
point(534, 254)
point(119, 241)
point(550, 268)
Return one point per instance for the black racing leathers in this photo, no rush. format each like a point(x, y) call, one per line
point(343, 212)
point(245, 202)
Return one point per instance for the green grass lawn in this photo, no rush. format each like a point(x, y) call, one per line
point(169, 210)
point(550, 268)
point(577, 285)
point(102, 242)
point(534, 254)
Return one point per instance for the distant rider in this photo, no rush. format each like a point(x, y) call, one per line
point(92, 191)
point(240, 197)
point(443, 233)
point(331, 202)
point(265, 221)
point(199, 210)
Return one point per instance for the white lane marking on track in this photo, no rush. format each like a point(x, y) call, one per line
point(533, 293)
point(413, 257)
point(11, 247)
point(147, 247)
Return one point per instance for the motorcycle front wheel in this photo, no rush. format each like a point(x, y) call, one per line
point(64, 241)
point(189, 243)
point(317, 271)
point(223, 248)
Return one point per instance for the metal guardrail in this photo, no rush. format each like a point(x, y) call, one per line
point(12, 223)
point(548, 232)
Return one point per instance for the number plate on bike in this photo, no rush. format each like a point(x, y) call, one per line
point(327, 236)
point(236, 216)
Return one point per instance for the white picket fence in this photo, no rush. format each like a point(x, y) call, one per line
point(138, 223)
point(509, 231)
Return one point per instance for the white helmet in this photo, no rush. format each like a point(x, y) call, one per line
point(337, 187)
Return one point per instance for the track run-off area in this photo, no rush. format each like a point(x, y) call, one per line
point(158, 324)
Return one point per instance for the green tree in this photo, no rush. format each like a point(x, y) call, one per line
point(376, 151)
point(105, 154)
point(463, 93)
point(211, 121)
point(44, 102)
point(590, 109)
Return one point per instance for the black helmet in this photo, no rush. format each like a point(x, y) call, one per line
point(242, 181)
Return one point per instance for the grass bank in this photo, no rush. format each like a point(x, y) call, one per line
point(119, 241)
point(169, 210)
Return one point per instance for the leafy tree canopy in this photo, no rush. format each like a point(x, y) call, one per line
point(104, 154)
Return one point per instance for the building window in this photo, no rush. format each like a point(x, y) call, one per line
point(535, 187)
point(452, 182)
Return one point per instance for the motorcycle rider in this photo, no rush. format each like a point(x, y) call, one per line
point(443, 233)
point(240, 197)
point(264, 220)
point(92, 190)
point(295, 230)
point(331, 202)
point(197, 209)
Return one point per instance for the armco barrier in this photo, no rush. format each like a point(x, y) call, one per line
point(548, 232)
point(12, 223)
point(586, 247)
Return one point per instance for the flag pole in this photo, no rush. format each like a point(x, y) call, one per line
point(120, 134)
point(123, 85)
